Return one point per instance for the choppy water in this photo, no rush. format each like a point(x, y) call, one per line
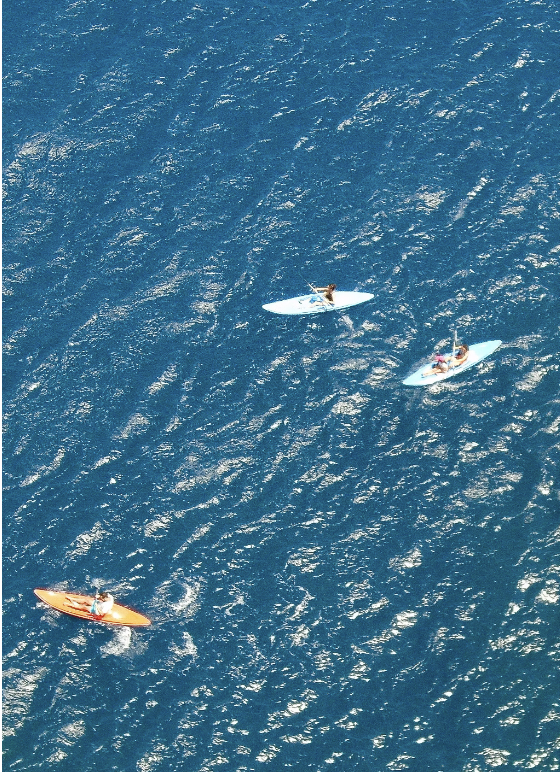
point(343, 574)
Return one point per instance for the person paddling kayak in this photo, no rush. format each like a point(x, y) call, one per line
point(461, 356)
point(327, 292)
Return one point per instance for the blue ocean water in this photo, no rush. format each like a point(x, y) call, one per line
point(342, 573)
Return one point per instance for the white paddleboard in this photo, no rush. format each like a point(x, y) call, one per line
point(316, 303)
point(477, 353)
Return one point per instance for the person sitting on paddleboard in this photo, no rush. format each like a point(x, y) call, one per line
point(461, 356)
point(328, 292)
point(101, 605)
point(439, 366)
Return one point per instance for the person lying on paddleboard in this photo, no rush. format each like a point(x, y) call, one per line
point(328, 292)
point(439, 366)
point(101, 604)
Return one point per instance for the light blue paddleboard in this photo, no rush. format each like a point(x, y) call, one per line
point(316, 303)
point(477, 353)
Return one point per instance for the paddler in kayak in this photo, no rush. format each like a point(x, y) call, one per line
point(328, 292)
point(461, 356)
point(102, 603)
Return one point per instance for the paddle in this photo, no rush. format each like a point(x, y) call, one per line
point(454, 347)
point(314, 290)
point(311, 287)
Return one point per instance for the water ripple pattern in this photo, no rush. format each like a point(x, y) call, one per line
point(342, 573)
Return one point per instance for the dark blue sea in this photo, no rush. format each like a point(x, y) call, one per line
point(343, 574)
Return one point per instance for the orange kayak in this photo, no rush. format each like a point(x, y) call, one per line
point(119, 615)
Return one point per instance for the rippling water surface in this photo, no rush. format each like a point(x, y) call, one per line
point(343, 573)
